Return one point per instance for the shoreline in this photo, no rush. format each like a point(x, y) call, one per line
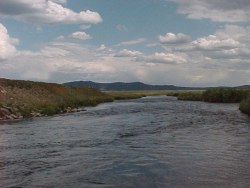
point(12, 117)
point(24, 99)
point(69, 110)
point(74, 110)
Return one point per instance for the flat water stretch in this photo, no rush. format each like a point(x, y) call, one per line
point(148, 142)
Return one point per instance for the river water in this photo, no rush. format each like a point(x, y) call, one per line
point(148, 142)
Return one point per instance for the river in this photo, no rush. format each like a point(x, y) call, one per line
point(147, 142)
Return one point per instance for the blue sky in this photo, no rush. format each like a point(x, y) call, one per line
point(188, 43)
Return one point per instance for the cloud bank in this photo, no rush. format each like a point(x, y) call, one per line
point(216, 59)
point(46, 12)
point(219, 58)
point(128, 53)
point(215, 10)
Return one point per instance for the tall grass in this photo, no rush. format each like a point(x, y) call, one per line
point(191, 96)
point(245, 106)
point(222, 95)
point(219, 95)
point(26, 97)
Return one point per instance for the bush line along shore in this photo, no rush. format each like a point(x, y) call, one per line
point(24, 99)
point(220, 95)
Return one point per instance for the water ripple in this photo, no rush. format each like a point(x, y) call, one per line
point(148, 142)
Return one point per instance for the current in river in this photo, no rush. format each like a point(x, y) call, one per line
point(143, 143)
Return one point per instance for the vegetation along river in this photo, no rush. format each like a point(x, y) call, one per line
point(147, 142)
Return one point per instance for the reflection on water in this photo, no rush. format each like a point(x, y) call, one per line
point(149, 142)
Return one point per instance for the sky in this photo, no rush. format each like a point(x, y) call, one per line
point(177, 42)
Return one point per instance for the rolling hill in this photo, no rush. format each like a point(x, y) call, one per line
point(121, 86)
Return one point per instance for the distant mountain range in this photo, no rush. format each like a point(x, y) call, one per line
point(121, 86)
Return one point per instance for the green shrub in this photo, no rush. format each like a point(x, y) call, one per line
point(191, 96)
point(245, 106)
point(223, 95)
point(173, 94)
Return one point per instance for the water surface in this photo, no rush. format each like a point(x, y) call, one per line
point(148, 142)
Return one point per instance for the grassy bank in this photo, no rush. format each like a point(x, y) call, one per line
point(222, 95)
point(20, 99)
point(190, 96)
point(219, 95)
point(216, 95)
point(119, 95)
point(26, 98)
point(245, 106)
point(123, 95)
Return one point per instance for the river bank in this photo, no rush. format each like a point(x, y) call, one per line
point(220, 95)
point(24, 99)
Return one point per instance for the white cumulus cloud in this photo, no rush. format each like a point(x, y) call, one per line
point(171, 38)
point(128, 53)
point(165, 58)
point(81, 35)
point(215, 10)
point(235, 32)
point(212, 42)
point(7, 44)
point(60, 1)
point(46, 12)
